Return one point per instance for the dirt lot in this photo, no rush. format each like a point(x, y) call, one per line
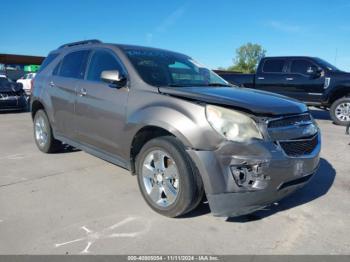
point(71, 202)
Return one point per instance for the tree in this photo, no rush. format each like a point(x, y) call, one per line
point(247, 58)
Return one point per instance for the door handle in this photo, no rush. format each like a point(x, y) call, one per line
point(289, 78)
point(83, 92)
point(261, 78)
point(52, 84)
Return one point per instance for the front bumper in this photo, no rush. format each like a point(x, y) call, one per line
point(8, 103)
point(278, 175)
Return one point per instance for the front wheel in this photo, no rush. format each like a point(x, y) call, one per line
point(340, 111)
point(167, 178)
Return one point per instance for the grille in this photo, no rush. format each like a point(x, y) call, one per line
point(11, 93)
point(300, 147)
point(289, 121)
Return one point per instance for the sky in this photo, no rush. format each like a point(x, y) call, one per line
point(208, 31)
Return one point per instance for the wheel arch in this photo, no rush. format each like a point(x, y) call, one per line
point(339, 92)
point(36, 105)
point(142, 136)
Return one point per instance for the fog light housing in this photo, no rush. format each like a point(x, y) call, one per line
point(250, 176)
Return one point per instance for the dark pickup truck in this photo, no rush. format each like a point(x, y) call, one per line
point(309, 79)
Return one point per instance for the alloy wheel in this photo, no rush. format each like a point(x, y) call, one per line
point(41, 132)
point(342, 111)
point(160, 178)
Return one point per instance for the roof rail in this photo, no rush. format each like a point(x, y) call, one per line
point(85, 42)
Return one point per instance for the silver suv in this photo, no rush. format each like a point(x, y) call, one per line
point(179, 127)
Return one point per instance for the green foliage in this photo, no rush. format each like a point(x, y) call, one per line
point(247, 58)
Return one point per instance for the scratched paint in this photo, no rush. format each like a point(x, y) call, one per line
point(92, 236)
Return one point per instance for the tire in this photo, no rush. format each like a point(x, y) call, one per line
point(187, 183)
point(337, 116)
point(45, 140)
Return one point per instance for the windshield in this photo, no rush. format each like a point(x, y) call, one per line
point(165, 68)
point(326, 64)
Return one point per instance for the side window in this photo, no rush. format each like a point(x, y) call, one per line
point(74, 64)
point(301, 67)
point(101, 61)
point(273, 66)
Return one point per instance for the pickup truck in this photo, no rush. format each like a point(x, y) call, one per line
point(309, 79)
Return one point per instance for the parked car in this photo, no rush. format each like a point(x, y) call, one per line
point(178, 126)
point(309, 79)
point(27, 82)
point(12, 96)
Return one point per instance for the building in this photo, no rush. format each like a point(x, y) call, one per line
point(15, 66)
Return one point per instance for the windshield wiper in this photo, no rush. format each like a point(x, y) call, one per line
point(194, 85)
point(218, 84)
point(177, 85)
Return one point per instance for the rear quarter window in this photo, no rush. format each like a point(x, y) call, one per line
point(47, 61)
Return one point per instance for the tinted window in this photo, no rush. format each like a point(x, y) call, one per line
point(164, 68)
point(47, 61)
point(273, 66)
point(57, 68)
point(101, 61)
point(73, 64)
point(326, 64)
point(301, 66)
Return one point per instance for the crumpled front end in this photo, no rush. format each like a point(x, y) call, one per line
point(240, 178)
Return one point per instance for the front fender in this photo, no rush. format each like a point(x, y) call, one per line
point(341, 89)
point(184, 119)
point(169, 119)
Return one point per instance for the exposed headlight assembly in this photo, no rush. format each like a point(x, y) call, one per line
point(233, 125)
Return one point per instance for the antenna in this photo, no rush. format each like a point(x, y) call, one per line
point(336, 56)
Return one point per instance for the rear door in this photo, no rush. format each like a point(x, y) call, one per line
point(301, 81)
point(101, 107)
point(62, 87)
point(272, 75)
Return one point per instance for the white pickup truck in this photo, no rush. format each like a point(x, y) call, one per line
point(27, 82)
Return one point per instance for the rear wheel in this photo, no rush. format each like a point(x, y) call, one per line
point(167, 178)
point(340, 111)
point(43, 133)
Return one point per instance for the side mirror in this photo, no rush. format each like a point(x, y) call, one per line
point(113, 77)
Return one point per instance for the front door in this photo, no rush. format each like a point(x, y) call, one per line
point(100, 106)
point(303, 82)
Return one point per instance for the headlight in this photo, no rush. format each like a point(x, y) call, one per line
point(231, 124)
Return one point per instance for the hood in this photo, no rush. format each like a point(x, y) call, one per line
point(343, 74)
point(10, 87)
point(254, 101)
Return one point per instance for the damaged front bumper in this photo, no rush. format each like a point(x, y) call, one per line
point(240, 178)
